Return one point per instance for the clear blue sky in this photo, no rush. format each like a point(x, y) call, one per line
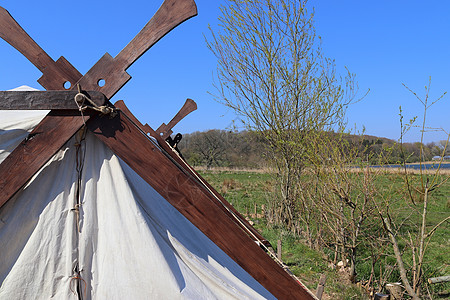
point(386, 43)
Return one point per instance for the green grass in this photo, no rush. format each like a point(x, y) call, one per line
point(242, 189)
point(245, 189)
point(437, 260)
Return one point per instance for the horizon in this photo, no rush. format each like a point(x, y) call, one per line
point(384, 43)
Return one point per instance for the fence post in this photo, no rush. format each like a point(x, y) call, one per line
point(279, 249)
point(321, 286)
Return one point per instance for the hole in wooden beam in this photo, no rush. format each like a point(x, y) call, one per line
point(101, 82)
point(67, 85)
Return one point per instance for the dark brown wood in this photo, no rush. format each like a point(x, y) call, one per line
point(181, 190)
point(112, 70)
point(54, 130)
point(124, 108)
point(166, 130)
point(32, 153)
point(191, 200)
point(222, 203)
point(37, 100)
point(55, 74)
point(170, 14)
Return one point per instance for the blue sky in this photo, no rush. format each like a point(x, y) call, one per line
point(385, 43)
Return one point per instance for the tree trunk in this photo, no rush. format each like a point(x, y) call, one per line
point(353, 265)
point(399, 259)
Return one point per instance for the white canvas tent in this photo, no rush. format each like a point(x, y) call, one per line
point(126, 241)
point(88, 226)
point(92, 207)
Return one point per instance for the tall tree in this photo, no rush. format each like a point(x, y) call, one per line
point(272, 72)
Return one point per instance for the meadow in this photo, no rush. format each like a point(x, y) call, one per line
point(249, 191)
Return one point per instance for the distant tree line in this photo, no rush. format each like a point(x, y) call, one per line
point(222, 148)
point(246, 149)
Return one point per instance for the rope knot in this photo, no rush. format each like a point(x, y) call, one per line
point(81, 98)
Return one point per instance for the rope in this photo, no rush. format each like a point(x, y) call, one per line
point(80, 158)
point(80, 155)
point(76, 209)
point(78, 279)
point(81, 98)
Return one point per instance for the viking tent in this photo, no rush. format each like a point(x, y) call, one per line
point(96, 205)
point(126, 241)
point(87, 224)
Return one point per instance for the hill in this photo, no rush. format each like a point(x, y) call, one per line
point(246, 149)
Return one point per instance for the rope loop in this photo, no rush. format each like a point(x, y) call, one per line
point(77, 278)
point(81, 99)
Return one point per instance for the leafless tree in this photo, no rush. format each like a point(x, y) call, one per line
point(417, 197)
point(272, 72)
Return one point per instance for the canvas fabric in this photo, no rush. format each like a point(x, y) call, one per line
point(126, 241)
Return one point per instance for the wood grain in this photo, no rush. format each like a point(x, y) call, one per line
point(171, 14)
point(223, 204)
point(112, 70)
point(165, 130)
point(55, 74)
point(38, 100)
point(33, 152)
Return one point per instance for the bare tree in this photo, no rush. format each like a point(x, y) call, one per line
point(272, 72)
point(417, 197)
point(211, 147)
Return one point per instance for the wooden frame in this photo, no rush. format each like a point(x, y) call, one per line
point(220, 201)
point(154, 161)
point(192, 200)
point(33, 152)
point(16, 170)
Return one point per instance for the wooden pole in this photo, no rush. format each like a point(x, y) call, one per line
point(279, 249)
point(321, 286)
point(439, 279)
point(196, 203)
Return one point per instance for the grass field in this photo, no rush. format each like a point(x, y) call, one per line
point(245, 189)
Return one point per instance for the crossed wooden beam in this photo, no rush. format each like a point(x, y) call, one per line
point(164, 170)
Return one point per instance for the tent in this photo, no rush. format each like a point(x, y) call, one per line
point(96, 205)
point(88, 225)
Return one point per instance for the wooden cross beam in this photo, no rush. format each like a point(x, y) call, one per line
point(54, 131)
point(56, 100)
point(187, 169)
point(163, 170)
point(181, 190)
point(166, 130)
